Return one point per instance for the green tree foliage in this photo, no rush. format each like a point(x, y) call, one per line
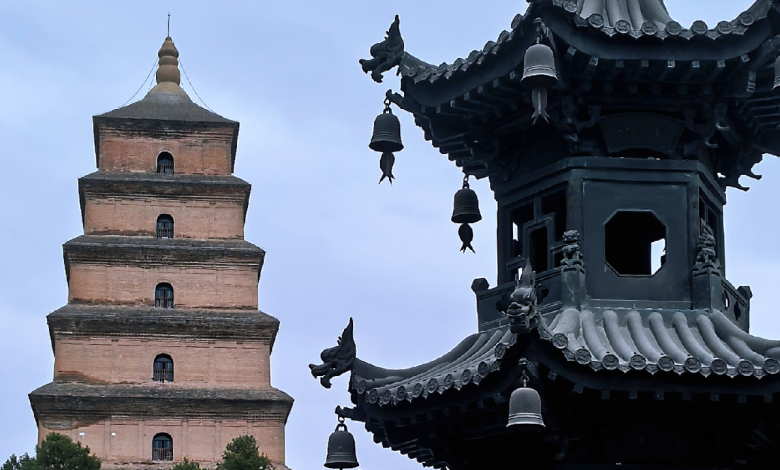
point(185, 465)
point(25, 462)
point(242, 454)
point(55, 452)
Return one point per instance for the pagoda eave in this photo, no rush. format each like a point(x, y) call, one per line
point(75, 320)
point(77, 404)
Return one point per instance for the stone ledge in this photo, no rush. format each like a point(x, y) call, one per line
point(75, 320)
point(201, 187)
point(70, 405)
point(148, 251)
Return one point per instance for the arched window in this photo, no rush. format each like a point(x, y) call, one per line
point(163, 296)
point(165, 163)
point(162, 447)
point(162, 371)
point(165, 226)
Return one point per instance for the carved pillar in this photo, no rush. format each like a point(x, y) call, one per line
point(572, 272)
point(707, 280)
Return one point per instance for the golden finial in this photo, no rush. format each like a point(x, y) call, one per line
point(168, 71)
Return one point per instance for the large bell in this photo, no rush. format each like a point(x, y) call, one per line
point(539, 67)
point(776, 87)
point(387, 133)
point(341, 448)
point(525, 409)
point(466, 205)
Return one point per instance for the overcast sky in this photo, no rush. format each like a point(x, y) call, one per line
point(338, 244)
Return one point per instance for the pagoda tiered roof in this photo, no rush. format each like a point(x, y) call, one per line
point(166, 102)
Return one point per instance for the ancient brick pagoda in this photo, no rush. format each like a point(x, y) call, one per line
point(161, 353)
point(606, 129)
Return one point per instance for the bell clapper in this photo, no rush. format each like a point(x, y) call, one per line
point(466, 235)
point(386, 162)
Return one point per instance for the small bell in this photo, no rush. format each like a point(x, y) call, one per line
point(387, 132)
point(539, 72)
point(466, 205)
point(776, 87)
point(525, 408)
point(341, 448)
point(539, 68)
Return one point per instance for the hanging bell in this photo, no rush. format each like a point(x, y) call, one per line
point(776, 87)
point(539, 68)
point(341, 448)
point(525, 408)
point(539, 72)
point(387, 132)
point(466, 205)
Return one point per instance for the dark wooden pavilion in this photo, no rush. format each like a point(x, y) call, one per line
point(610, 186)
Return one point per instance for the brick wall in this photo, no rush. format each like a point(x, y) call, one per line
point(203, 440)
point(197, 363)
point(194, 287)
point(201, 219)
point(195, 152)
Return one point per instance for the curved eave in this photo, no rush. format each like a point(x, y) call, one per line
point(433, 86)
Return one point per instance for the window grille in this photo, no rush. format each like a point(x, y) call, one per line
point(162, 447)
point(165, 163)
point(162, 371)
point(163, 296)
point(165, 226)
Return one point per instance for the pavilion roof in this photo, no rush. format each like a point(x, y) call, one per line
point(704, 343)
point(569, 12)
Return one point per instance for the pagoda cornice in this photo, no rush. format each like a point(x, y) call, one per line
point(66, 405)
point(81, 320)
point(148, 251)
point(158, 185)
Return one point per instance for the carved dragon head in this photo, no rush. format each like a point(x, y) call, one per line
point(522, 309)
point(336, 360)
point(386, 54)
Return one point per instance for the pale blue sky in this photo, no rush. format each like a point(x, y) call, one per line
point(338, 244)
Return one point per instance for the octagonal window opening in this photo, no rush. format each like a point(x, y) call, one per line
point(635, 243)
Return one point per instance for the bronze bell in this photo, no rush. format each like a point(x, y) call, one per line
point(387, 132)
point(525, 409)
point(539, 67)
point(776, 87)
point(341, 448)
point(466, 205)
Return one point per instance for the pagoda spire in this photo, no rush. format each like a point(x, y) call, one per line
point(168, 71)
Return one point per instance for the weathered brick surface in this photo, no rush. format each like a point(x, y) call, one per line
point(197, 363)
point(199, 219)
point(194, 287)
point(196, 152)
point(122, 440)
